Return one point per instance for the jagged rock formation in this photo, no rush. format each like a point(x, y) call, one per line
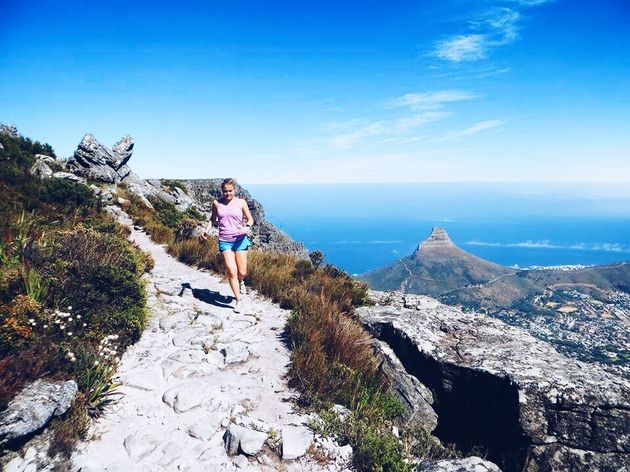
point(498, 388)
point(95, 161)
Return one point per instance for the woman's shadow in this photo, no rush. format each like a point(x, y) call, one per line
point(207, 296)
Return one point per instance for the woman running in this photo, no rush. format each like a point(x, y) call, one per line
point(228, 212)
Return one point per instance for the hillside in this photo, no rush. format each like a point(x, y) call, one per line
point(585, 312)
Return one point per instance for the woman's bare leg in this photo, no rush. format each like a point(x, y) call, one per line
point(241, 264)
point(230, 264)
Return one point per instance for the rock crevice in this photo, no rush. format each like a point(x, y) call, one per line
point(499, 389)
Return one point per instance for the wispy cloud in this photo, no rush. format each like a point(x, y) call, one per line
point(488, 30)
point(474, 129)
point(531, 3)
point(460, 48)
point(546, 244)
point(430, 100)
point(391, 128)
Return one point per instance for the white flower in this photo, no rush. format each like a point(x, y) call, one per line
point(31, 320)
point(69, 308)
point(62, 327)
point(84, 324)
point(96, 363)
point(69, 333)
point(69, 319)
point(45, 326)
point(78, 317)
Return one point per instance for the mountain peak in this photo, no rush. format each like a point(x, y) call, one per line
point(438, 238)
point(438, 241)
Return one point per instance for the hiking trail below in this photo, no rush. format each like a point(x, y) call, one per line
point(199, 370)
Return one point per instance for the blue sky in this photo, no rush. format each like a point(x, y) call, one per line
point(323, 91)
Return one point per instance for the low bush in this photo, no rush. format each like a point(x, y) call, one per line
point(69, 280)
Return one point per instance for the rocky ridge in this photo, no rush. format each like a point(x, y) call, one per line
point(498, 388)
point(105, 168)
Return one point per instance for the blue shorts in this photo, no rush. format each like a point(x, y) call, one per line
point(240, 244)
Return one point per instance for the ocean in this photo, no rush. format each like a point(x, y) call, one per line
point(360, 227)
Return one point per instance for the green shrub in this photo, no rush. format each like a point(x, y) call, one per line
point(68, 194)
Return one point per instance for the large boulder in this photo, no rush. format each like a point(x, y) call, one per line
point(469, 464)
point(95, 161)
point(499, 389)
point(33, 408)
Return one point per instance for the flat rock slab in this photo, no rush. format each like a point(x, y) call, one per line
point(295, 441)
point(470, 464)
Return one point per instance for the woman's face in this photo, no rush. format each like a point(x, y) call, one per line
point(228, 191)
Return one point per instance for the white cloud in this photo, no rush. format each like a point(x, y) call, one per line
point(397, 128)
point(474, 129)
point(546, 244)
point(430, 100)
point(490, 29)
point(531, 3)
point(471, 47)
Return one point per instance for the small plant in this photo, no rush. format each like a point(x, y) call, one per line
point(34, 286)
point(95, 375)
point(316, 257)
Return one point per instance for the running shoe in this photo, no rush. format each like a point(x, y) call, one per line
point(237, 306)
point(241, 288)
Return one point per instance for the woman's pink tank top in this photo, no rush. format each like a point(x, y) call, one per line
point(230, 219)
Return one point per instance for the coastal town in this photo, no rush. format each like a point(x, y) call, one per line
point(590, 324)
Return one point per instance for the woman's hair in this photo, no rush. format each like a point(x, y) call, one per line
point(228, 181)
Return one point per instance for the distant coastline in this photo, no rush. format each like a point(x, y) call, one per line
point(359, 229)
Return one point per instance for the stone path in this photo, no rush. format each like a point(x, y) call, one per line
point(199, 370)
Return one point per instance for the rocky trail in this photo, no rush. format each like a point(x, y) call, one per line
point(204, 388)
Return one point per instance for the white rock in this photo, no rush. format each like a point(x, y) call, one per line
point(237, 438)
point(170, 452)
point(235, 353)
point(34, 406)
point(188, 395)
point(187, 356)
point(14, 465)
point(140, 446)
point(184, 337)
point(203, 428)
point(295, 441)
point(241, 461)
point(30, 454)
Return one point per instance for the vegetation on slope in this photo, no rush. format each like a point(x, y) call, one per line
point(71, 297)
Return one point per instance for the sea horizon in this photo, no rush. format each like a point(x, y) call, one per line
point(362, 227)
